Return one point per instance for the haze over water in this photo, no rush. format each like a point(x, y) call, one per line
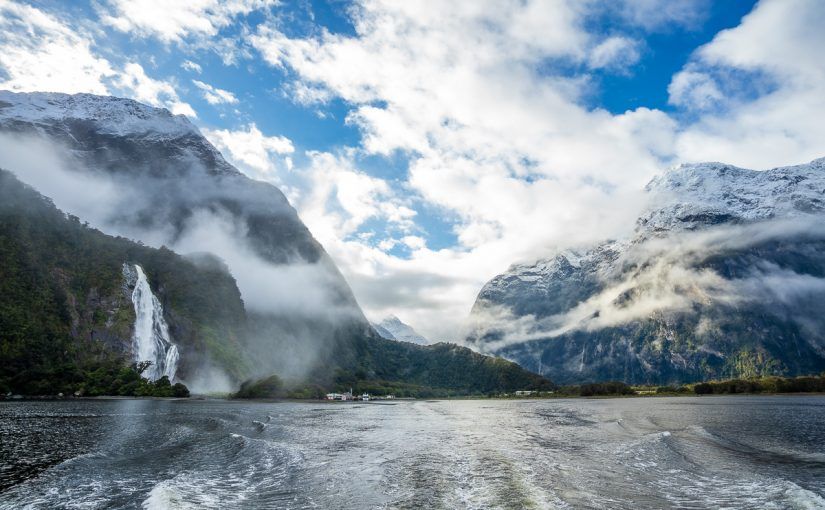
point(691, 452)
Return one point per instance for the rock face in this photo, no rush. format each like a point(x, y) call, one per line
point(169, 170)
point(66, 301)
point(68, 319)
point(392, 328)
point(723, 277)
point(272, 301)
point(153, 177)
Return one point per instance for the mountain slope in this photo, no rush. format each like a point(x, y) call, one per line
point(140, 172)
point(66, 311)
point(66, 306)
point(392, 328)
point(724, 277)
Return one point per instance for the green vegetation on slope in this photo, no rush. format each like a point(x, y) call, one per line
point(64, 313)
point(443, 369)
point(268, 387)
point(116, 379)
point(612, 388)
point(370, 364)
point(65, 320)
point(804, 384)
point(770, 384)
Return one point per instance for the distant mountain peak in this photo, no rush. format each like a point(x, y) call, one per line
point(723, 277)
point(393, 328)
point(113, 115)
point(700, 194)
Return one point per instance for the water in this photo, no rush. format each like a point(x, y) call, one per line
point(151, 341)
point(709, 452)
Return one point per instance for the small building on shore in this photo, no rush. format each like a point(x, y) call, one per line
point(340, 396)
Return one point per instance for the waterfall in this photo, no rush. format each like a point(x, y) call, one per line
point(151, 341)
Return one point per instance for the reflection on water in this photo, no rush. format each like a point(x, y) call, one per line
point(712, 452)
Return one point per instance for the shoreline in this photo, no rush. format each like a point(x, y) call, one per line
point(207, 398)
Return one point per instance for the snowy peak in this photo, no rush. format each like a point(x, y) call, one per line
point(666, 304)
point(392, 328)
point(687, 197)
point(695, 195)
point(565, 264)
point(111, 115)
point(99, 127)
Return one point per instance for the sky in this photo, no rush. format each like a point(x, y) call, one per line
point(429, 145)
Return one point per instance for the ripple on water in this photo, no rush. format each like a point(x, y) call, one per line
point(616, 454)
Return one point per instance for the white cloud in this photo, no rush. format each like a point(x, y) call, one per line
point(479, 97)
point(414, 242)
point(252, 151)
point(175, 21)
point(306, 95)
point(615, 52)
point(496, 140)
point(339, 198)
point(667, 277)
point(214, 95)
point(694, 90)
point(387, 244)
point(655, 15)
point(39, 52)
point(192, 66)
point(766, 78)
point(148, 90)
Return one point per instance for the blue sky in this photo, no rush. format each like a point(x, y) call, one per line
point(428, 145)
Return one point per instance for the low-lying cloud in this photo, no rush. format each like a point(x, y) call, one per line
point(145, 208)
point(669, 275)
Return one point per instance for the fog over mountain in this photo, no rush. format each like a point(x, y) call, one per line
point(349, 254)
point(138, 171)
point(254, 294)
point(723, 277)
point(425, 173)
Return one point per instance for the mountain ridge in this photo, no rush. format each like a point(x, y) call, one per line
point(722, 277)
point(393, 328)
point(296, 315)
point(152, 176)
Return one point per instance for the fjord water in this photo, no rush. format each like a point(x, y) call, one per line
point(690, 452)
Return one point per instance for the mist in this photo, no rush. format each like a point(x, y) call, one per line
point(192, 212)
point(670, 275)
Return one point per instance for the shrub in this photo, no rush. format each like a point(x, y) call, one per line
point(268, 387)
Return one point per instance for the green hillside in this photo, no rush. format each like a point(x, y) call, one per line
point(66, 319)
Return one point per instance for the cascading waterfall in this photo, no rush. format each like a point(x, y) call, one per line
point(151, 341)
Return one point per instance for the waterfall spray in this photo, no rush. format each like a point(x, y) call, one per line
point(151, 341)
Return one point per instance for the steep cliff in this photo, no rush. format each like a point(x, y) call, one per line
point(66, 306)
point(723, 277)
point(143, 173)
point(254, 295)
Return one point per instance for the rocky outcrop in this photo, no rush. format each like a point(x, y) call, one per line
point(161, 182)
point(723, 277)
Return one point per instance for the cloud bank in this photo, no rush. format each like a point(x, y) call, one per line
point(479, 143)
point(670, 275)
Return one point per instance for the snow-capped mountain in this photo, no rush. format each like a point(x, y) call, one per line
point(723, 276)
point(392, 328)
point(161, 161)
point(90, 125)
point(113, 115)
point(140, 172)
point(696, 195)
